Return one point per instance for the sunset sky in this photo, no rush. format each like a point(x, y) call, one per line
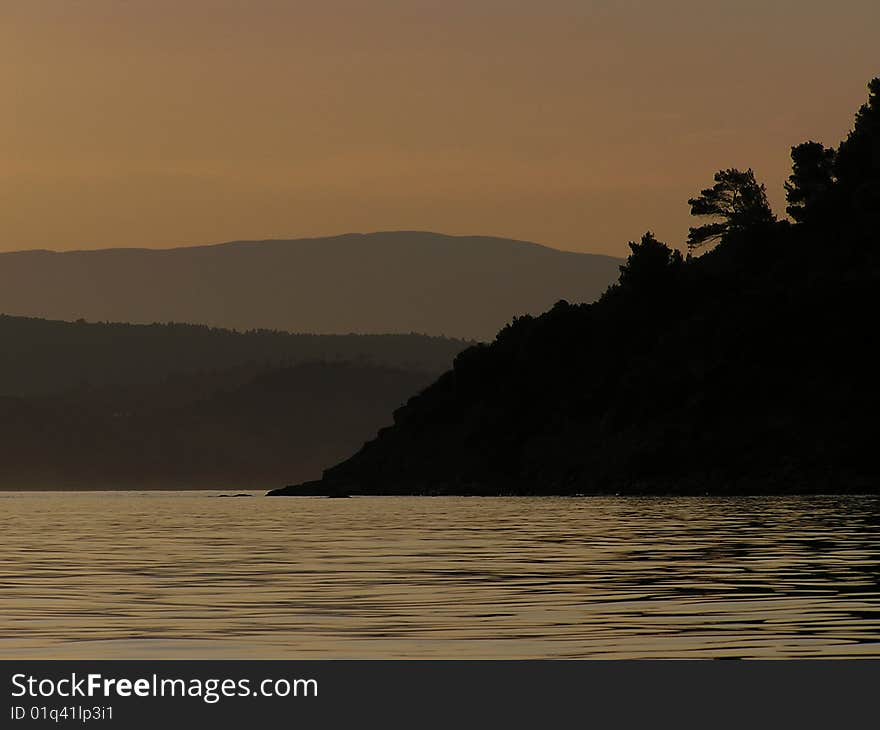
point(579, 124)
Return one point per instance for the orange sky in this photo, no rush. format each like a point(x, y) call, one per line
point(578, 124)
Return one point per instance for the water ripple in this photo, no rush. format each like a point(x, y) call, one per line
point(186, 575)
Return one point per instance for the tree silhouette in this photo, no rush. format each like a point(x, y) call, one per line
point(826, 184)
point(737, 199)
point(857, 164)
point(811, 181)
point(650, 263)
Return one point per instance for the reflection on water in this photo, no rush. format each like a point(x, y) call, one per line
point(183, 575)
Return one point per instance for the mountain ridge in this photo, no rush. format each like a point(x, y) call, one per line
point(349, 235)
point(395, 282)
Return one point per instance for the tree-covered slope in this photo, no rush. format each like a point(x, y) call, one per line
point(44, 356)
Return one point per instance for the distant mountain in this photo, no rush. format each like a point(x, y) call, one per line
point(363, 283)
point(236, 429)
point(39, 357)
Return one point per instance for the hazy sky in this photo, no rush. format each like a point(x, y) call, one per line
point(578, 124)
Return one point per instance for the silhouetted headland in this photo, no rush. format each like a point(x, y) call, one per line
point(751, 368)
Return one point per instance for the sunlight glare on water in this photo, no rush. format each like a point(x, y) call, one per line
point(191, 575)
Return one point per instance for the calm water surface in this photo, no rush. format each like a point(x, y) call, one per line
point(188, 575)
